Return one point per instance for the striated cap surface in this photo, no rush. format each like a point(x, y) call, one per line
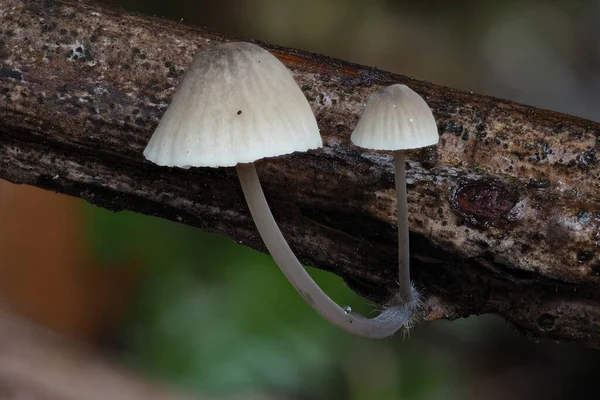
point(236, 104)
point(395, 118)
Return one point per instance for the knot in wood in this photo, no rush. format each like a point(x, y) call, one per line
point(485, 200)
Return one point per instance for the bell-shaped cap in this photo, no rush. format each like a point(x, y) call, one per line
point(395, 118)
point(236, 104)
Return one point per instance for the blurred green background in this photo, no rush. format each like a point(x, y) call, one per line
point(221, 320)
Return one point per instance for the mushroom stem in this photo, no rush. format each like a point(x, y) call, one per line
point(384, 325)
point(402, 210)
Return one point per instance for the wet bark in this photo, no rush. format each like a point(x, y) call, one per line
point(504, 213)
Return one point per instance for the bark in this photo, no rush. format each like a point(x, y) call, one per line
point(37, 365)
point(504, 214)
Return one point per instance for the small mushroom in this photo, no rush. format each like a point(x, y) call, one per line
point(237, 104)
point(397, 119)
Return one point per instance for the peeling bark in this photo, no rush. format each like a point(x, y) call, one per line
point(504, 213)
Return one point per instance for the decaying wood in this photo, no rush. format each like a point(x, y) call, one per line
point(38, 365)
point(504, 213)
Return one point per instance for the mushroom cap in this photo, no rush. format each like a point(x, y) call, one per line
point(395, 118)
point(236, 104)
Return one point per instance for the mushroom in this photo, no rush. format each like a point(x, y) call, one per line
point(238, 104)
point(396, 118)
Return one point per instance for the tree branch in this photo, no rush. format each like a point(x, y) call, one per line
point(504, 213)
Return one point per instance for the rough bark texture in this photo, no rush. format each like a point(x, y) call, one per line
point(504, 213)
point(37, 365)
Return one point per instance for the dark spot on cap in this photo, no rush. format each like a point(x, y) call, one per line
point(239, 112)
point(485, 200)
point(546, 321)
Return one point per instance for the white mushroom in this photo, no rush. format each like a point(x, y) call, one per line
point(237, 104)
point(396, 118)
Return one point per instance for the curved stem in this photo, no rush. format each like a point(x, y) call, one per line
point(384, 325)
point(402, 210)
